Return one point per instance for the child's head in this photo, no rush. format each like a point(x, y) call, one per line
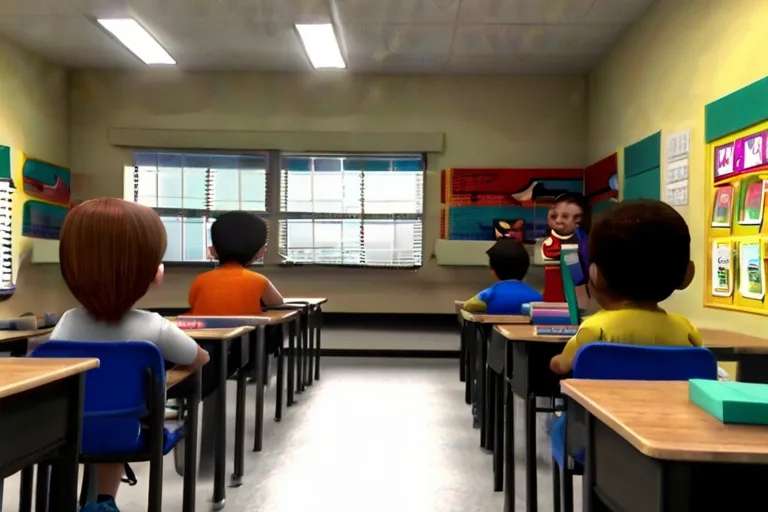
point(569, 212)
point(239, 237)
point(110, 251)
point(508, 259)
point(640, 252)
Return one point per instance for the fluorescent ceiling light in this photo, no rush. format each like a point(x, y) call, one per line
point(321, 46)
point(138, 40)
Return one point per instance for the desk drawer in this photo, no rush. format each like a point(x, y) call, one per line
point(33, 424)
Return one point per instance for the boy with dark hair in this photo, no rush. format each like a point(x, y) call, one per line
point(238, 238)
point(628, 279)
point(509, 262)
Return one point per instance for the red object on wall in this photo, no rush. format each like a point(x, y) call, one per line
point(597, 179)
point(504, 181)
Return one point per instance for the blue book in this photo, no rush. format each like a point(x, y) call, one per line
point(556, 330)
point(218, 322)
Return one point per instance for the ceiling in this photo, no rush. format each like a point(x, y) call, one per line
point(377, 36)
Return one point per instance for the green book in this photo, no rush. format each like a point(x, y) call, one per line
point(731, 402)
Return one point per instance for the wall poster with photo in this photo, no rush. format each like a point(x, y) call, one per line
point(722, 269)
point(723, 209)
point(751, 273)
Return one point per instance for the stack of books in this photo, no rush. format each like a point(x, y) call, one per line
point(552, 318)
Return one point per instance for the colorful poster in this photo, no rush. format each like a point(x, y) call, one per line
point(723, 161)
point(722, 269)
point(723, 209)
point(751, 278)
point(752, 208)
point(753, 152)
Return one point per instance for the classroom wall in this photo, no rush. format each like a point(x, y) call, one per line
point(680, 56)
point(487, 122)
point(34, 119)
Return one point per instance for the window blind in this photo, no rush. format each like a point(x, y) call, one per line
point(354, 210)
point(188, 190)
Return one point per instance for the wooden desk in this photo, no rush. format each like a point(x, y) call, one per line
point(32, 393)
point(648, 448)
point(520, 360)
point(484, 318)
point(749, 352)
point(17, 342)
point(229, 350)
point(175, 376)
point(312, 301)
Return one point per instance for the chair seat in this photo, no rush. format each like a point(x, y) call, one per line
point(141, 452)
point(558, 443)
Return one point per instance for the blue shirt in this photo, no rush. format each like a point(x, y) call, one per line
point(508, 297)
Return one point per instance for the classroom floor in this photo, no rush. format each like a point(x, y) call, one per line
point(373, 435)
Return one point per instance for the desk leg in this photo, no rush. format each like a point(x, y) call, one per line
point(509, 447)
point(280, 374)
point(311, 349)
point(531, 485)
point(65, 466)
point(190, 443)
point(236, 480)
point(220, 449)
point(258, 435)
point(305, 350)
point(26, 481)
point(302, 336)
point(293, 327)
point(481, 357)
point(42, 487)
point(498, 431)
point(468, 363)
point(318, 331)
point(588, 479)
point(489, 406)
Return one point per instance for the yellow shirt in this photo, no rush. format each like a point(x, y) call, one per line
point(634, 326)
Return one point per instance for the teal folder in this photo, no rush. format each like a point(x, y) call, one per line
point(731, 402)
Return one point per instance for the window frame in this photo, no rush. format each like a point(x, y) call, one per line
point(272, 213)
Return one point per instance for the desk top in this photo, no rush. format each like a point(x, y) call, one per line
point(224, 333)
point(20, 374)
point(741, 343)
point(526, 333)
point(9, 336)
point(660, 422)
point(312, 301)
point(482, 318)
point(279, 316)
point(176, 375)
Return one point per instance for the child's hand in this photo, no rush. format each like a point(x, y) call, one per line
point(560, 365)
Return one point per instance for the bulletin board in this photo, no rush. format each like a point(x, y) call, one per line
point(736, 186)
point(642, 169)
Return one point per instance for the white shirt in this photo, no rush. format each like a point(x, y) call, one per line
point(137, 325)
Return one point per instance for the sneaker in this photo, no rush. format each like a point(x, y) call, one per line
point(106, 506)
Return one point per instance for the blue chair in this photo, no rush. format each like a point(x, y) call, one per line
point(611, 361)
point(124, 408)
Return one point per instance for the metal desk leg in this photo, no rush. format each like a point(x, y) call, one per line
point(190, 444)
point(481, 356)
point(42, 487)
point(306, 350)
point(26, 482)
point(488, 407)
point(462, 352)
point(258, 435)
point(310, 366)
point(498, 431)
point(236, 479)
point(301, 340)
point(280, 384)
point(509, 447)
point(531, 485)
point(293, 327)
point(468, 366)
point(588, 480)
point(318, 331)
point(65, 466)
point(220, 447)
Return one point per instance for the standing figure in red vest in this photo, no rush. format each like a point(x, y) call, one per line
point(566, 215)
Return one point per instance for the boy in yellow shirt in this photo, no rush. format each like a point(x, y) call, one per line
point(640, 254)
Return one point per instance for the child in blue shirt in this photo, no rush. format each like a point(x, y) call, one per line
point(509, 262)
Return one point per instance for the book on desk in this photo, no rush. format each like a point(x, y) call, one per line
point(218, 322)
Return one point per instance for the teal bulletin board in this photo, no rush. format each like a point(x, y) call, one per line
point(738, 110)
point(5, 163)
point(642, 169)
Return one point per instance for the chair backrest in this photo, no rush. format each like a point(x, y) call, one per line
point(118, 394)
point(613, 361)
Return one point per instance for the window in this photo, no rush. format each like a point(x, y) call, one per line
point(189, 189)
point(352, 210)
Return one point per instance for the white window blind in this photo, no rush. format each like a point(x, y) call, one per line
point(189, 189)
point(354, 210)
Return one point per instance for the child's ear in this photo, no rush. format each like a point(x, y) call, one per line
point(493, 273)
point(212, 253)
point(690, 272)
point(261, 253)
point(594, 277)
point(159, 275)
